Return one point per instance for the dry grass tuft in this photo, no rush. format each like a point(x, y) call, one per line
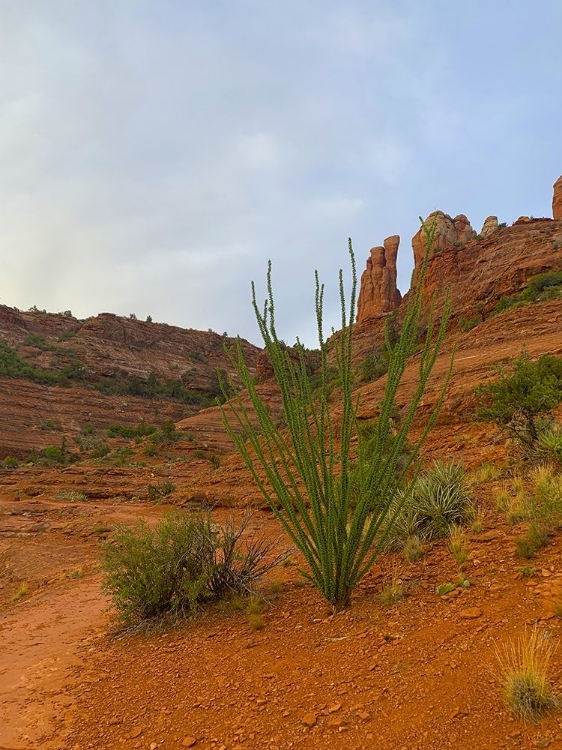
point(458, 545)
point(23, 590)
point(523, 674)
point(392, 592)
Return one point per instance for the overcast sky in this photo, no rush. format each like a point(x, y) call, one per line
point(155, 153)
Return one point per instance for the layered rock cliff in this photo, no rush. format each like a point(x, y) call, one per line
point(102, 368)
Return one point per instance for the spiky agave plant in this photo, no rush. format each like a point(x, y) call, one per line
point(336, 509)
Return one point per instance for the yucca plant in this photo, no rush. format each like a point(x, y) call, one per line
point(333, 502)
point(435, 504)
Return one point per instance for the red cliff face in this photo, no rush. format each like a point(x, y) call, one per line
point(378, 293)
point(557, 200)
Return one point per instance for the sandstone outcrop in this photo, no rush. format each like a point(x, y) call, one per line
point(378, 294)
point(557, 200)
point(449, 233)
point(477, 272)
point(490, 226)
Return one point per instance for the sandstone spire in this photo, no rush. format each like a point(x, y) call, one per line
point(378, 293)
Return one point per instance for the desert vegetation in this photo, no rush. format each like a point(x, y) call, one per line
point(337, 510)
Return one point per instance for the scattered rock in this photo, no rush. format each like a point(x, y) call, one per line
point(470, 613)
point(136, 732)
point(189, 742)
point(309, 720)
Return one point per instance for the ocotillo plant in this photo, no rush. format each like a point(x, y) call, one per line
point(336, 508)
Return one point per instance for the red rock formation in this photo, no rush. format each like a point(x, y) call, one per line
point(557, 199)
point(478, 272)
point(378, 293)
point(448, 233)
point(490, 226)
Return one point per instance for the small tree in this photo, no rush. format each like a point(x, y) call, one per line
point(337, 510)
point(521, 393)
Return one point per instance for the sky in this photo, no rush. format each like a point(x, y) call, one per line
point(154, 154)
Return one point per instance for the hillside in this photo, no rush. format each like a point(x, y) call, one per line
point(69, 373)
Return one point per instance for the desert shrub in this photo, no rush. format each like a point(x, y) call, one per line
point(67, 335)
point(125, 431)
point(375, 364)
point(157, 491)
point(54, 454)
point(520, 394)
point(10, 462)
point(393, 591)
point(49, 425)
point(458, 545)
point(529, 544)
point(74, 496)
point(438, 500)
point(238, 563)
point(181, 563)
point(154, 572)
point(150, 450)
point(100, 449)
point(119, 457)
point(37, 340)
point(333, 507)
point(523, 675)
point(467, 324)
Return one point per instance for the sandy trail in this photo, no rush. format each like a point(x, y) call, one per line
point(40, 640)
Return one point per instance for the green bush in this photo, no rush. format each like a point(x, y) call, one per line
point(154, 572)
point(467, 324)
point(124, 431)
point(150, 450)
point(10, 462)
point(54, 454)
point(520, 394)
point(100, 449)
point(184, 561)
point(438, 501)
point(36, 340)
